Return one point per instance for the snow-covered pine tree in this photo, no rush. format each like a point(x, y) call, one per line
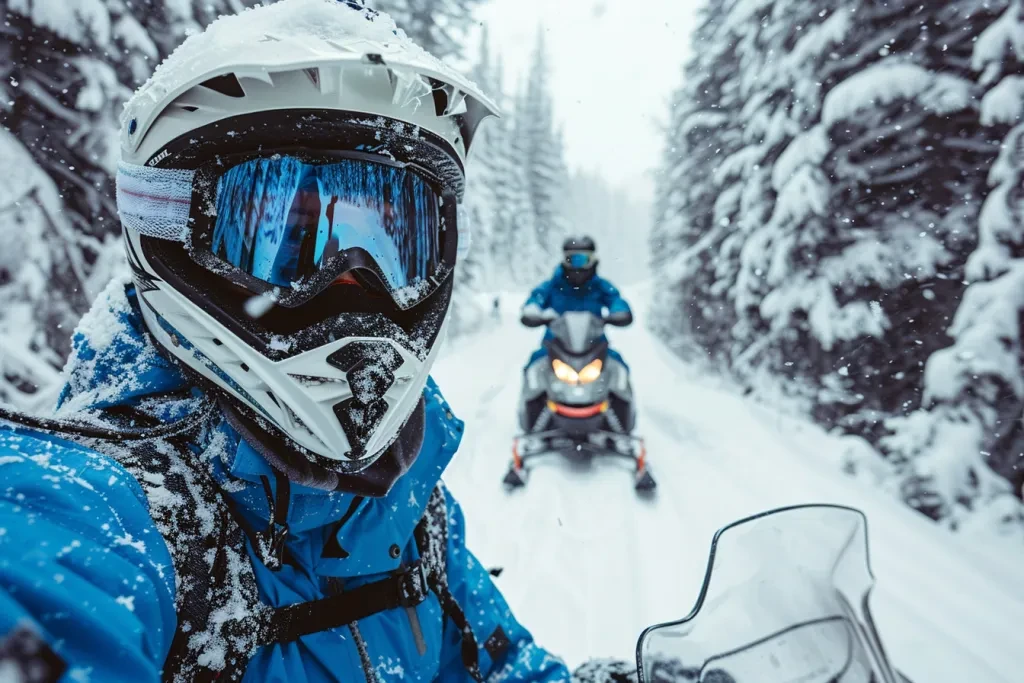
point(518, 252)
point(879, 266)
point(65, 70)
point(438, 26)
point(508, 188)
point(543, 153)
point(479, 213)
point(695, 240)
point(969, 428)
point(851, 200)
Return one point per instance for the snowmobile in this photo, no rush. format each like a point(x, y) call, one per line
point(784, 599)
point(577, 400)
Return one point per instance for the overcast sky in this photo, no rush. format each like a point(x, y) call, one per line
point(615, 64)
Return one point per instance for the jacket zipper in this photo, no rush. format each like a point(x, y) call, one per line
point(417, 629)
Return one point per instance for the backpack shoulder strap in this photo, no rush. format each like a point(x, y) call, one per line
point(432, 536)
point(214, 639)
point(432, 542)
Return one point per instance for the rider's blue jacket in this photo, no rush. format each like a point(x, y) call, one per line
point(560, 295)
point(593, 296)
point(83, 564)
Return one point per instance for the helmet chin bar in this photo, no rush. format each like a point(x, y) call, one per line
point(375, 481)
point(307, 396)
point(579, 277)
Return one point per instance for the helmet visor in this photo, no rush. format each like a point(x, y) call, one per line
point(296, 225)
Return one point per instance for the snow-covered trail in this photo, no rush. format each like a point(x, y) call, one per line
point(588, 564)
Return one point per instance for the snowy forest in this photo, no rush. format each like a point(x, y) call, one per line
point(808, 301)
point(836, 226)
point(839, 225)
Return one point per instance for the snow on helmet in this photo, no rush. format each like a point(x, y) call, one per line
point(579, 259)
point(271, 163)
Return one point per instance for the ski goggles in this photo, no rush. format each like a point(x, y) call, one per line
point(292, 225)
point(580, 259)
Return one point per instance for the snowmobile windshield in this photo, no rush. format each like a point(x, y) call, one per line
point(577, 331)
point(296, 226)
point(784, 600)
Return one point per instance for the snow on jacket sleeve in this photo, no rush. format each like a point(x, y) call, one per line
point(81, 563)
point(507, 650)
point(611, 298)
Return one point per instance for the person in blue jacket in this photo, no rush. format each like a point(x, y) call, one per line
point(242, 479)
point(576, 286)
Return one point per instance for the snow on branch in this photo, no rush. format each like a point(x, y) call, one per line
point(1003, 39)
point(988, 345)
point(810, 147)
point(745, 11)
point(888, 81)
point(946, 451)
point(813, 44)
point(829, 321)
point(805, 194)
point(703, 119)
point(1001, 223)
point(84, 22)
point(1004, 103)
point(902, 251)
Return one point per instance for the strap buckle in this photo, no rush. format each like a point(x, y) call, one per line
point(271, 545)
point(413, 587)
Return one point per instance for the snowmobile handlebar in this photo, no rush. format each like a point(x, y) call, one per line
point(533, 316)
point(618, 319)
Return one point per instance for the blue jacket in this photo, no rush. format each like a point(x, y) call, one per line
point(82, 562)
point(594, 296)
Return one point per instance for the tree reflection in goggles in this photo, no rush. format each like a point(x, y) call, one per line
point(282, 220)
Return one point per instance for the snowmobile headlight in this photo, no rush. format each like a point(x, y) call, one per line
point(564, 372)
point(592, 372)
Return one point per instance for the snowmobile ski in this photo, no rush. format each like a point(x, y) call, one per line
point(600, 444)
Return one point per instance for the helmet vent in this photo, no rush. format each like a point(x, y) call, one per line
point(226, 85)
point(314, 75)
point(441, 95)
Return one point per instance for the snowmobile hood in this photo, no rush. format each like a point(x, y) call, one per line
point(114, 363)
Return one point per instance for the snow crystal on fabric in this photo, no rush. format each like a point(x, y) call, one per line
point(154, 201)
point(108, 333)
point(189, 511)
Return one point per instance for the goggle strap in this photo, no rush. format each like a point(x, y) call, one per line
point(155, 201)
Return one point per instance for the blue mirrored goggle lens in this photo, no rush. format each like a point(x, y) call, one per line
point(282, 220)
point(579, 260)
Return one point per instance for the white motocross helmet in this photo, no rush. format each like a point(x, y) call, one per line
point(288, 190)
